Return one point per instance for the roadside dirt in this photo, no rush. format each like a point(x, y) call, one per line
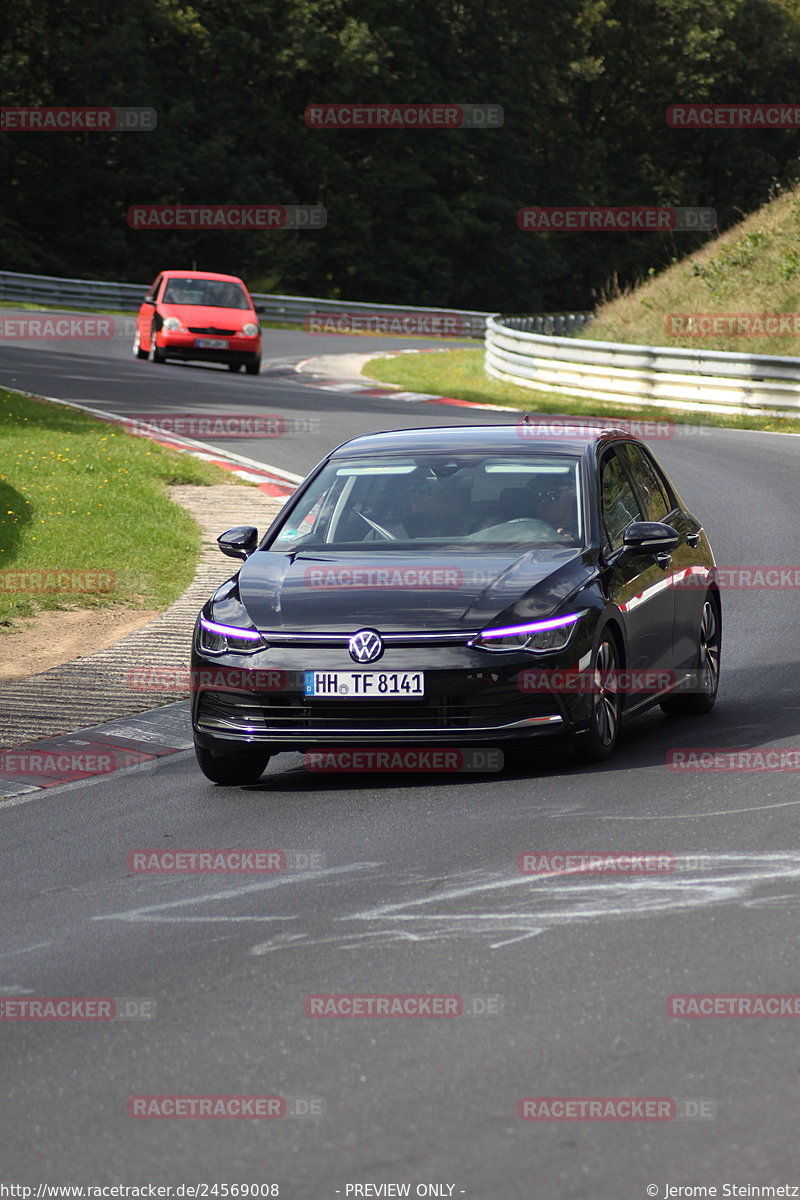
point(53, 638)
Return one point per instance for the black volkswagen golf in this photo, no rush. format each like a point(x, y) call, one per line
point(458, 586)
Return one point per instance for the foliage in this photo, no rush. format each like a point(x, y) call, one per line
point(413, 217)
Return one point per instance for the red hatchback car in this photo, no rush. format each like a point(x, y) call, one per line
point(199, 315)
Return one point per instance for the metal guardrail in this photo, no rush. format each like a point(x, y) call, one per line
point(664, 377)
point(534, 351)
point(95, 294)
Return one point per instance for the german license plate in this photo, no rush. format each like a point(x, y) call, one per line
point(363, 685)
point(211, 343)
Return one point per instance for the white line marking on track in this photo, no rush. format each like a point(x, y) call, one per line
point(142, 914)
point(25, 949)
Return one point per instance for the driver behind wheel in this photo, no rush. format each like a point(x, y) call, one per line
point(555, 504)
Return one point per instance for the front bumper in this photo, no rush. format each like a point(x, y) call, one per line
point(470, 698)
point(184, 346)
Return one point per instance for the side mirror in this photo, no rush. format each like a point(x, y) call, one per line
point(147, 300)
point(650, 537)
point(239, 542)
point(260, 308)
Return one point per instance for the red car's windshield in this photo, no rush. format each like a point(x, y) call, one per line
point(205, 293)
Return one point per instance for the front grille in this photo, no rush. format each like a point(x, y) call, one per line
point(211, 329)
point(488, 708)
point(421, 637)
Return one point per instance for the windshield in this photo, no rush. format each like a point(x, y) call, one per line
point(205, 293)
point(464, 500)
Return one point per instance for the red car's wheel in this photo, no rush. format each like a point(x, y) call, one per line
point(158, 356)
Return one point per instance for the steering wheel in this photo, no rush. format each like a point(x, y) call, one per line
point(389, 537)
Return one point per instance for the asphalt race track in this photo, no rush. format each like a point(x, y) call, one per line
point(411, 885)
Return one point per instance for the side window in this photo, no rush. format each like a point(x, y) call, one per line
point(151, 295)
point(309, 519)
point(619, 504)
point(655, 501)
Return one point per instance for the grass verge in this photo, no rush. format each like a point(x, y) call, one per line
point(85, 520)
point(460, 374)
point(720, 297)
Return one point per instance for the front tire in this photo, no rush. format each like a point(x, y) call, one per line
point(158, 356)
point(234, 366)
point(232, 770)
point(694, 704)
point(253, 367)
point(598, 744)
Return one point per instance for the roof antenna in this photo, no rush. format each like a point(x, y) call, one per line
point(194, 264)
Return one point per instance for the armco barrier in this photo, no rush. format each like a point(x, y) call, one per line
point(694, 380)
point(95, 294)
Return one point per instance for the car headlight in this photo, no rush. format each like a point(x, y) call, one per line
point(250, 330)
point(214, 638)
point(539, 637)
point(172, 325)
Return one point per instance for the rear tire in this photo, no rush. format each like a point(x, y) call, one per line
point(232, 770)
point(694, 704)
point(598, 744)
point(137, 346)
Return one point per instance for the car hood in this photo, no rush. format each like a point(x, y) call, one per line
point(200, 315)
point(339, 593)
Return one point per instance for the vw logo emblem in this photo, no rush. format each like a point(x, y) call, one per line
point(365, 646)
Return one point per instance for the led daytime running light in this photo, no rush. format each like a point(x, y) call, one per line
point(533, 627)
point(232, 631)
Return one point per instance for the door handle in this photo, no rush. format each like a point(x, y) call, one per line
point(664, 561)
point(693, 538)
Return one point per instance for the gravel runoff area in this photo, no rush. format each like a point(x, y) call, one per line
point(145, 668)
